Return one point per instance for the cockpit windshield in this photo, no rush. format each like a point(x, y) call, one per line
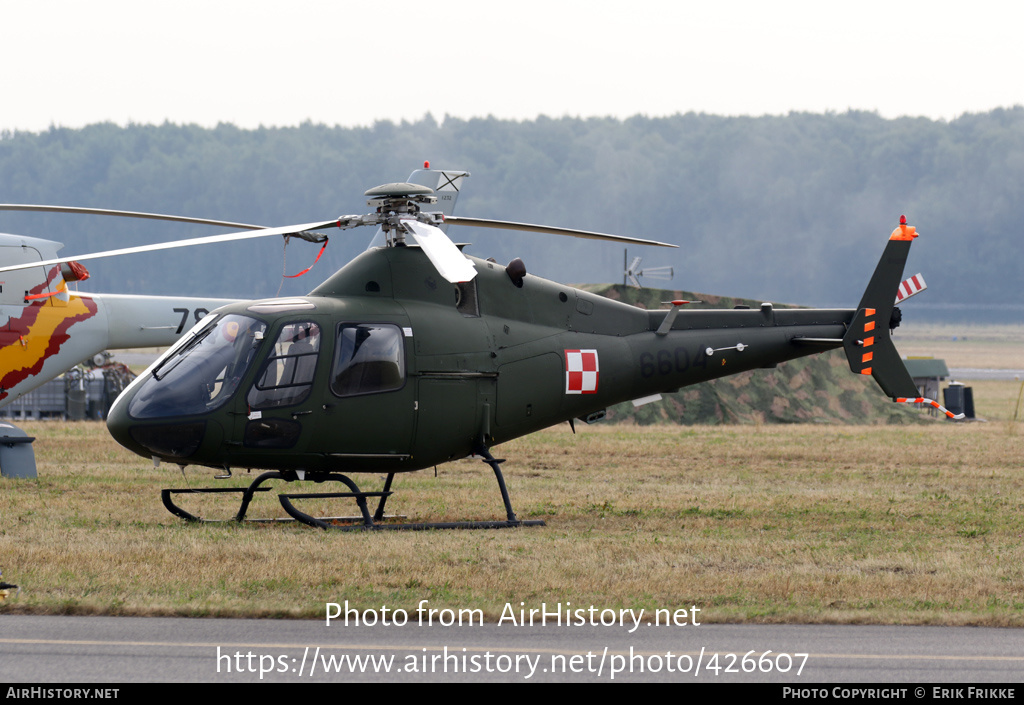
point(203, 372)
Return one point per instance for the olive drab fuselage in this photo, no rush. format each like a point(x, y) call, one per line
point(395, 369)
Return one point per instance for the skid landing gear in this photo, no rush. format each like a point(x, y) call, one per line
point(361, 523)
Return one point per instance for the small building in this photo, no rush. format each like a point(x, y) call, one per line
point(928, 374)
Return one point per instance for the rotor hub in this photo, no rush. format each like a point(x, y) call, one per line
point(398, 200)
point(399, 190)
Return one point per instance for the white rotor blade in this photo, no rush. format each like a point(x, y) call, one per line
point(228, 237)
point(125, 214)
point(442, 252)
point(509, 225)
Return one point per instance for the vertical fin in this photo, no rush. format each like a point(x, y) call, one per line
point(868, 344)
point(447, 183)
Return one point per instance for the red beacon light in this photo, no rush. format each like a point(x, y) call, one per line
point(903, 231)
point(426, 165)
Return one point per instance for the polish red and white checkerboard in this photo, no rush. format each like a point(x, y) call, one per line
point(581, 371)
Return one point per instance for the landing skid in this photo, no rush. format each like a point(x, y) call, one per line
point(364, 522)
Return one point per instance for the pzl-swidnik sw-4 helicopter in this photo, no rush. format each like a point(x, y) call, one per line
point(414, 354)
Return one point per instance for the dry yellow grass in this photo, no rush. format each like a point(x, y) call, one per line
point(774, 523)
point(790, 524)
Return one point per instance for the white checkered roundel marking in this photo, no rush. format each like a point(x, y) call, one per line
point(581, 371)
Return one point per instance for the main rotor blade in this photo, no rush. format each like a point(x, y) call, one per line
point(126, 214)
point(442, 252)
point(508, 225)
point(212, 239)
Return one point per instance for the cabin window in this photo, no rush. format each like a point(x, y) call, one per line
point(287, 375)
point(368, 358)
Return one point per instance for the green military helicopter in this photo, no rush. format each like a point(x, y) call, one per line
point(414, 354)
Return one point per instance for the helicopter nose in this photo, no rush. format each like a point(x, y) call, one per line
point(170, 439)
point(118, 422)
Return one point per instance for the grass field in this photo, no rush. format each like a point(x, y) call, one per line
point(963, 345)
point(793, 523)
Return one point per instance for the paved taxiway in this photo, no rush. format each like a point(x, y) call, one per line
point(45, 649)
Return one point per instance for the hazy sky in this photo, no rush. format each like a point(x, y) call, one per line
point(72, 63)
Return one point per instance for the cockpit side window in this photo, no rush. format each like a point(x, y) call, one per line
point(368, 358)
point(287, 376)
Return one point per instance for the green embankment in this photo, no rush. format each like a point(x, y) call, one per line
point(816, 389)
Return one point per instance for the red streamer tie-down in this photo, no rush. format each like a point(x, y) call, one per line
point(318, 255)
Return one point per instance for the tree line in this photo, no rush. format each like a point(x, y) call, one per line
point(789, 209)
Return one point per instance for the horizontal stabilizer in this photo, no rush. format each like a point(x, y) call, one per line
point(870, 351)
